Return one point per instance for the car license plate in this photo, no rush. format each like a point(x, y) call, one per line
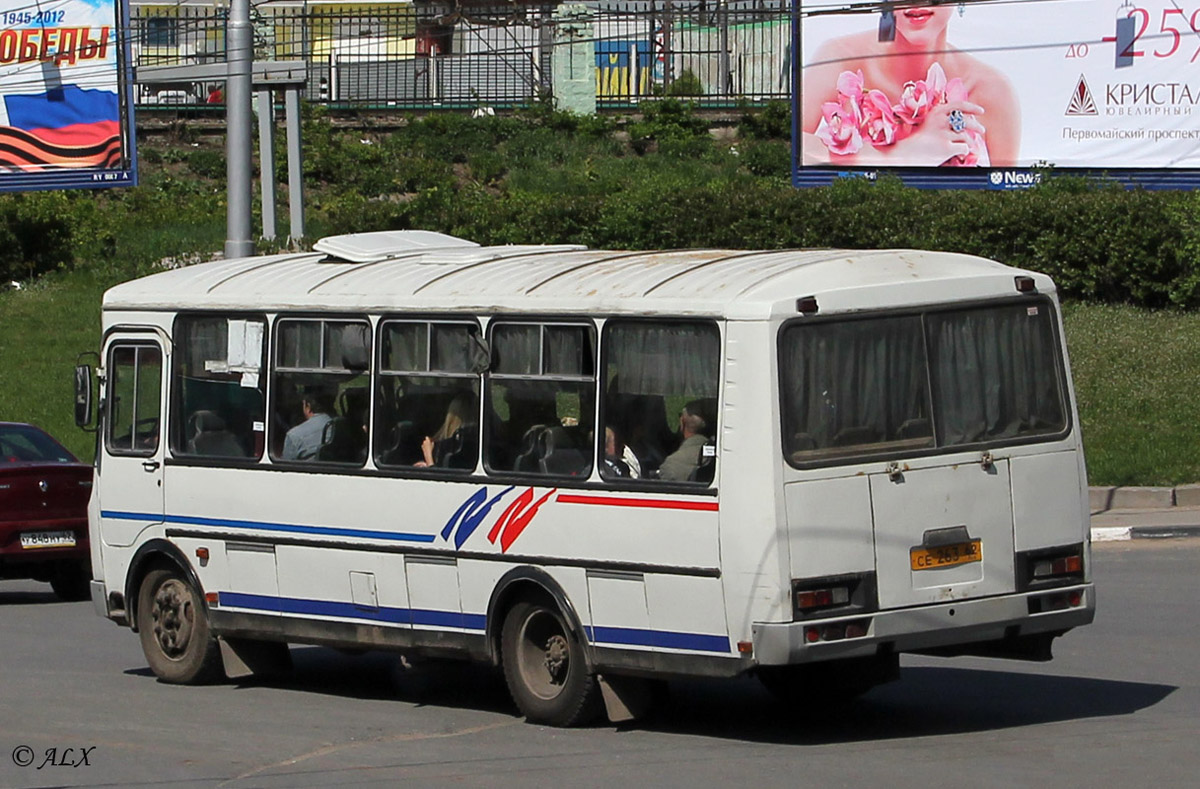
point(47, 539)
point(946, 555)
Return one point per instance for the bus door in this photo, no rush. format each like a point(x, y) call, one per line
point(943, 533)
point(130, 471)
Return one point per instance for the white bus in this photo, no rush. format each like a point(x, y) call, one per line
point(595, 469)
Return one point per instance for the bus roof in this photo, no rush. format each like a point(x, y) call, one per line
point(420, 271)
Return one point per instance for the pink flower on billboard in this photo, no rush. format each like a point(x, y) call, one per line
point(869, 117)
point(839, 128)
point(879, 119)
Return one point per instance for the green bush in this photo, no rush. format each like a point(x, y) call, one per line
point(36, 234)
point(207, 163)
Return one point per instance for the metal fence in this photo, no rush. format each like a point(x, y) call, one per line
point(428, 55)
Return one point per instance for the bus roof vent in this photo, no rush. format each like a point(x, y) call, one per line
point(372, 247)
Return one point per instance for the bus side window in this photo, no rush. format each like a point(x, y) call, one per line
point(218, 389)
point(319, 397)
point(541, 399)
point(428, 396)
point(660, 401)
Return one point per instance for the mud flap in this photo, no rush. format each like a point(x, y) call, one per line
point(244, 657)
point(626, 698)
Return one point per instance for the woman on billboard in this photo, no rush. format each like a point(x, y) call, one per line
point(907, 98)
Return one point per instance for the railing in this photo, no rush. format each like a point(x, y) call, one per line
point(423, 56)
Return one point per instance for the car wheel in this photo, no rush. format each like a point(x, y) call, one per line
point(71, 582)
point(173, 627)
point(544, 667)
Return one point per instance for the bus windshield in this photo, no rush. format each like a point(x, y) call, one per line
point(943, 379)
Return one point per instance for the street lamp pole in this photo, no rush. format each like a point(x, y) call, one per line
point(238, 139)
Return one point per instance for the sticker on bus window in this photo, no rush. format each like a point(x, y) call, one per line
point(1031, 311)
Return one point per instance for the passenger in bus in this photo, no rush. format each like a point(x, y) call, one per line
point(446, 444)
point(619, 460)
point(304, 440)
point(680, 464)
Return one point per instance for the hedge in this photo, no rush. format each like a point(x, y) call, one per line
point(660, 181)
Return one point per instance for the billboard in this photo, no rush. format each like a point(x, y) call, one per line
point(985, 94)
point(65, 110)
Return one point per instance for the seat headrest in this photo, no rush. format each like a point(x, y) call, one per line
point(208, 422)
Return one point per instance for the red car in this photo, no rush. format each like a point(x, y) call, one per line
point(44, 492)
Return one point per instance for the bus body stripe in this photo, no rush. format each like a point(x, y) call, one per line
point(620, 501)
point(626, 636)
point(657, 638)
point(265, 526)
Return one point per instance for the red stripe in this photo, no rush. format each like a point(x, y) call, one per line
point(655, 504)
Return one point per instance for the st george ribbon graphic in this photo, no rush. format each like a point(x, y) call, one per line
point(65, 127)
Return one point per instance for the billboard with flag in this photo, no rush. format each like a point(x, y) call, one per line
point(991, 93)
point(65, 110)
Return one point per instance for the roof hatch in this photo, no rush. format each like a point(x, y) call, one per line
point(372, 247)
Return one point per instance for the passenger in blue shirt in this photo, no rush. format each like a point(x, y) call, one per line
point(304, 440)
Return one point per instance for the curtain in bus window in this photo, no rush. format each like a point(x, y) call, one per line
point(564, 351)
point(405, 347)
point(300, 345)
point(453, 348)
point(994, 374)
point(517, 349)
point(664, 359)
point(855, 383)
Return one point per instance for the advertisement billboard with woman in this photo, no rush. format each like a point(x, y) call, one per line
point(998, 87)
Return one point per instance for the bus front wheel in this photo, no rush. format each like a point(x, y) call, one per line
point(544, 667)
point(174, 630)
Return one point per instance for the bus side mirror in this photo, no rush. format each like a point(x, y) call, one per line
point(83, 396)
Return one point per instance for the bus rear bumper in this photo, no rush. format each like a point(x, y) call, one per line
point(981, 627)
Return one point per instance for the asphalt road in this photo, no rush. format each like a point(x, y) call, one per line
point(1119, 706)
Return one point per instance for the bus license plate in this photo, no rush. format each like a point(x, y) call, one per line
point(47, 539)
point(946, 555)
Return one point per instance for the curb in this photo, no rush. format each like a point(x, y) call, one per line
point(1104, 498)
point(1113, 533)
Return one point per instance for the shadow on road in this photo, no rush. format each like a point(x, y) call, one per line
point(383, 676)
point(29, 597)
point(927, 701)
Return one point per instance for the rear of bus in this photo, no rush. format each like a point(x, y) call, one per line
point(933, 478)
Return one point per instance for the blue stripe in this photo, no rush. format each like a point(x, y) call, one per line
point(291, 528)
point(328, 608)
point(477, 622)
point(657, 638)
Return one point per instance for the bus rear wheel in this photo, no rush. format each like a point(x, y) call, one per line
point(174, 630)
point(545, 668)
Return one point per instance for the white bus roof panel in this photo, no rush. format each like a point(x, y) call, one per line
point(569, 279)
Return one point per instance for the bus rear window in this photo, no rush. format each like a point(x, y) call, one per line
point(920, 382)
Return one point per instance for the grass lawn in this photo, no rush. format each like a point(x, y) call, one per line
point(1134, 373)
point(42, 330)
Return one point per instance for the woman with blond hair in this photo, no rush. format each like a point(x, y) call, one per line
point(459, 414)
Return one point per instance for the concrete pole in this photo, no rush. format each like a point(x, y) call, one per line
point(266, 159)
point(239, 133)
point(295, 166)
